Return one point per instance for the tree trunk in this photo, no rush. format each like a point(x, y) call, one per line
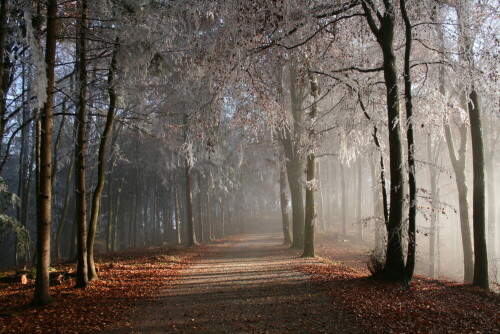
point(491, 200)
point(199, 200)
point(191, 236)
point(44, 189)
point(24, 170)
point(209, 217)
point(434, 209)
point(137, 206)
point(177, 217)
point(287, 237)
point(394, 267)
point(101, 168)
point(64, 213)
point(294, 164)
point(359, 198)
point(310, 214)
point(115, 222)
point(3, 93)
point(111, 213)
point(319, 173)
point(344, 200)
point(478, 194)
point(458, 164)
point(81, 152)
point(377, 209)
point(412, 168)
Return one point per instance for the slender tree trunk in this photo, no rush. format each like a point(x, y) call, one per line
point(24, 169)
point(284, 207)
point(3, 93)
point(81, 152)
point(209, 216)
point(377, 209)
point(191, 236)
point(319, 173)
point(101, 168)
point(44, 189)
point(458, 164)
point(360, 199)
point(478, 192)
point(412, 168)
point(199, 200)
point(155, 229)
point(310, 214)
point(111, 212)
point(223, 218)
point(55, 167)
point(177, 217)
point(294, 164)
point(344, 200)
point(64, 213)
point(434, 208)
point(383, 186)
point(135, 218)
point(115, 222)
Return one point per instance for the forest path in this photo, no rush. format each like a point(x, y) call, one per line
point(252, 285)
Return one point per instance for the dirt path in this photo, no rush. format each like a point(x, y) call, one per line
point(246, 286)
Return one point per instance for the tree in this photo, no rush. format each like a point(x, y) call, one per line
point(310, 214)
point(412, 167)
point(3, 36)
point(82, 279)
point(284, 206)
point(294, 164)
point(101, 165)
point(44, 187)
point(478, 193)
point(191, 236)
point(394, 263)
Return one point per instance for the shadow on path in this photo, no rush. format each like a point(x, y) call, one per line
point(246, 286)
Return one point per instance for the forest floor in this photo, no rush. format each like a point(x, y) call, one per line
point(247, 284)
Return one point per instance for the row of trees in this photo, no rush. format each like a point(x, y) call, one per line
point(168, 113)
point(450, 62)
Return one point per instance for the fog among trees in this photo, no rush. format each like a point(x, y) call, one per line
point(135, 124)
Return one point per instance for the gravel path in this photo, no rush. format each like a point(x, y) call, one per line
point(246, 286)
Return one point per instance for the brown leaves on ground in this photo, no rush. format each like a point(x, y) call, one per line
point(427, 306)
point(124, 278)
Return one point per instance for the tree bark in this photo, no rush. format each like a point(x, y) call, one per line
point(81, 151)
point(478, 194)
point(3, 93)
point(359, 198)
point(191, 236)
point(344, 200)
point(394, 267)
point(287, 237)
point(64, 213)
point(412, 168)
point(44, 189)
point(434, 208)
point(458, 164)
point(101, 169)
point(177, 217)
point(209, 217)
point(294, 164)
point(310, 214)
